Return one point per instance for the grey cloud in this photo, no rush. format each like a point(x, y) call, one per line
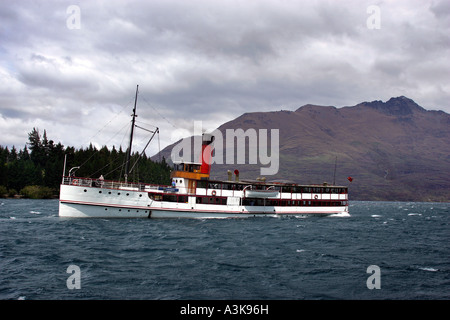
point(214, 60)
point(441, 9)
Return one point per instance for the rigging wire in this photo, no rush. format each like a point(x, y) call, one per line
point(107, 124)
point(159, 148)
point(126, 125)
point(143, 151)
point(156, 110)
point(93, 174)
point(101, 129)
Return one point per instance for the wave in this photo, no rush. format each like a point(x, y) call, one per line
point(340, 215)
point(428, 269)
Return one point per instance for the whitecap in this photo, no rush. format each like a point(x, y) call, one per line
point(428, 269)
point(375, 216)
point(414, 214)
point(35, 212)
point(12, 218)
point(300, 250)
point(340, 215)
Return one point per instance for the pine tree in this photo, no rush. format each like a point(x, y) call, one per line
point(40, 164)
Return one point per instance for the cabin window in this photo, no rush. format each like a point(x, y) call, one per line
point(169, 198)
point(227, 186)
point(211, 200)
point(202, 184)
point(214, 185)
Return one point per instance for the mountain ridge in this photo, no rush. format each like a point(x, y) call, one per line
point(394, 150)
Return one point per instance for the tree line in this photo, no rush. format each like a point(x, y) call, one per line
point(36, 170)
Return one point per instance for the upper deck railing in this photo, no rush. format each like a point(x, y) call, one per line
point(107, 184)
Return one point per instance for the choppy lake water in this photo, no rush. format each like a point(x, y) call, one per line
point(256, 258)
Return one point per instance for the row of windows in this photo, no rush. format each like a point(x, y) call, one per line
point(184, 198)
point(211, 200)
point(248, 201)
point(118, 193)
point(168, 197)
point(129, 210)
point(293, 203)
point(287, 189)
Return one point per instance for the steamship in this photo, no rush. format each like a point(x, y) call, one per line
point(194, 195)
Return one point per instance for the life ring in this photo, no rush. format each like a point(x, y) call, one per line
point(74, 182)
point(316, 197)
point(213, 192)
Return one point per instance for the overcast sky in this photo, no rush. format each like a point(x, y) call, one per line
point(74, 72)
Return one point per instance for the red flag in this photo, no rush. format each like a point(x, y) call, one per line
point(350, 179)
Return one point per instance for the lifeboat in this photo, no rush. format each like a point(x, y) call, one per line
point(271, 193)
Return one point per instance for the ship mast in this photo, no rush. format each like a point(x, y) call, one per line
point(133, 119)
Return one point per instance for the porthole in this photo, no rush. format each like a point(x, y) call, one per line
point(100, 191)
point(118, 193)
point(85, 190)
point(128, 194)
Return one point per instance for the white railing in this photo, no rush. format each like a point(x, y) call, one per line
point(99, 183)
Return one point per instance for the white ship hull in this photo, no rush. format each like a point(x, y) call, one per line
point(96, 202)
